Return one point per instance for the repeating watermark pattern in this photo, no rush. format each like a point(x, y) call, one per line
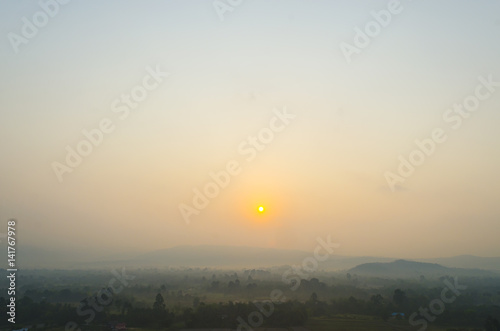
point(363, 37)
point(292, 277)
point(100, 299)
point(250, 148)
point(437, 306)
point(30, 28)
point(222, 7)
point(94, 137)
point(454, 117)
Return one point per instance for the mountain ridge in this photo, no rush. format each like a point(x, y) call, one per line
point(224, 256)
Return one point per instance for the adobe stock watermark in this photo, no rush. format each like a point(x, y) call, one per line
point(448, 295)
point(309, 264)
point(249, 147)
point(94, 137)
point(30, 28)
point(453, 116)
point(222, 7)
point(100, 299)
point(363, 37)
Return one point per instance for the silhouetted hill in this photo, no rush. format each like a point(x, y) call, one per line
point(467, 261)
point(233, 256)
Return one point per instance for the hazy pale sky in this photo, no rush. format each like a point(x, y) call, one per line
point(70, 67)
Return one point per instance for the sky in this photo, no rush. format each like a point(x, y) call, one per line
point(116, 116)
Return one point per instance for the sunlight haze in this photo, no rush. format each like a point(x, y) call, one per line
point(265, 107)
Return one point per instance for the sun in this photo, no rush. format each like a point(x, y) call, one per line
point(260, 209)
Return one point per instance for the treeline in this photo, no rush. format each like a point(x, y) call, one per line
point(176, 299)
point(466, 315)
point(231, 314)
point(221, 315)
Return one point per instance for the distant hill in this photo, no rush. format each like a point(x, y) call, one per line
point(338, 263)
point(238, 256)
point(467, 261)
point(229, 257)
point(410, 269)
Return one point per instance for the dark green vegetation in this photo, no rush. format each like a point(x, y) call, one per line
point(208, 298)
